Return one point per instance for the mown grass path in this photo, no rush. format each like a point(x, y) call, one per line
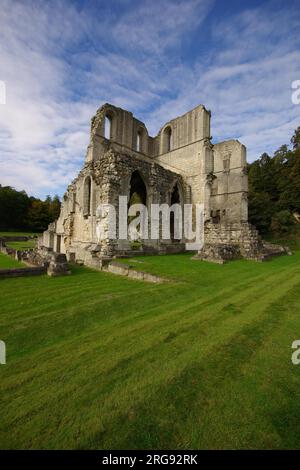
point(99, 361)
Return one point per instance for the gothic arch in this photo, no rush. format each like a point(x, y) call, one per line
point(176, 197)
point(138, 193)
point(109, 124)
point(176, 183)
point(167, 139)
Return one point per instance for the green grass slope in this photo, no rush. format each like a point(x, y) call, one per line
point(7, 262)
point(99, 361)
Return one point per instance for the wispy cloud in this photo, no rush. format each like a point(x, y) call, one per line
point(245, 79)
point(62, 60)
point(154, 27)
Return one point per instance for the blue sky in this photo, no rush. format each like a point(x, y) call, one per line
point(61, 60)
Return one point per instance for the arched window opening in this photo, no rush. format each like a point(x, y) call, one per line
point(167, 139)
point(137, 194)
point(175, 199)
point(138, 191)
point(139, 141)
point(107, 127)
point(87, 196)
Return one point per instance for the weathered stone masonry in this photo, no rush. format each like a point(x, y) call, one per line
point(179, 165)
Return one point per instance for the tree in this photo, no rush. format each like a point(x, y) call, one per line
point(55, 207)
point(295, 140)
point(19, 211)
point(282, 222)
point(274, 188)
point(13, 207)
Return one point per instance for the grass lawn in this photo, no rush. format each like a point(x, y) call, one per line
point(7, 262)
point(22, 245)
point(100, 361)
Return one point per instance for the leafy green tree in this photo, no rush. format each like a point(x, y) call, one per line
point(55, 208)
point(295, 140)
point(13, 208)
point(282, 222)
point(274, 188)
point(19, 211)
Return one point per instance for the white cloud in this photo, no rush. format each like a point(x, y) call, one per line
point(60, 63)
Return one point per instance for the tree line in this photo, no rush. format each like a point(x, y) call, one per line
point(274, 189)
point(18, 211)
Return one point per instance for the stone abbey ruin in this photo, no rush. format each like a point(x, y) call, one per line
point(179, 165)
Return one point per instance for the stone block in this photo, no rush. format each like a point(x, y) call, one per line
point(138, 275)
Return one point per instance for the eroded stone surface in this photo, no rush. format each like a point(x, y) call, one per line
point(58, 265)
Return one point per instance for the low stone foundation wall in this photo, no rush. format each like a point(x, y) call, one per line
point(233, 241)
point(30, 257)
point(218, 253)
point(126, 270)
point(42, 260)
point(17, 238)
point(22, 272)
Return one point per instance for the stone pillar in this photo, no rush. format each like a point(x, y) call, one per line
point(58, 265)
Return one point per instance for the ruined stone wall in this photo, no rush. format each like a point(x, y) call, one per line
point(185, 130)
point(230, 182)
point(125, 130)
point(194, 163)
point(181, 153)
point(159, 184)
point(110, 178)
point(190, 152)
